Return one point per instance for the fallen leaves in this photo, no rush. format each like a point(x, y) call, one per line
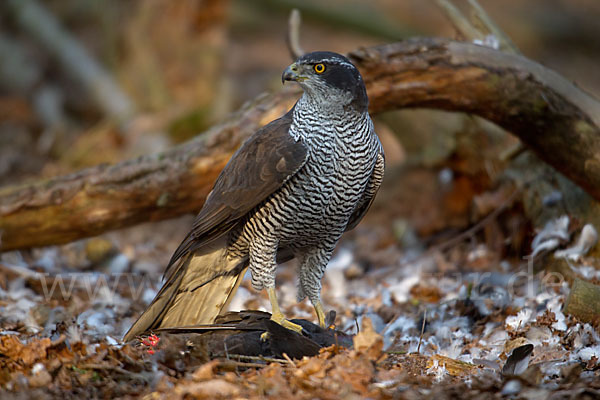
point(24, 354)
point(426, 294)
point(368, 340)
point(472, 324)
point(212, 389)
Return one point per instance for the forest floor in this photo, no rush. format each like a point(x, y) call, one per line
point(432, 322)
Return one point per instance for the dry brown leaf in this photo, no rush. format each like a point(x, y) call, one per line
point(454, 367)
point(41, 379)
point(12, 347)
point(368, 341)
point(427, 294)
point(214, 388)
point(510, 345)
point(310, 366)
point(205, 371)
point(353, 369)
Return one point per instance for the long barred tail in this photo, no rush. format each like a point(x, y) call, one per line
point(196, 294)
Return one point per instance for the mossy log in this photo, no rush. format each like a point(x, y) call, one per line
point(584, 302)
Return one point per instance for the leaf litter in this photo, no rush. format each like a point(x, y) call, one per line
point(422, 326)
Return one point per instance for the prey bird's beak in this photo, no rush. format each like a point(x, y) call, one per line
point(290, 73)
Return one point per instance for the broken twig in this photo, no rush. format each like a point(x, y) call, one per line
point(293, 35)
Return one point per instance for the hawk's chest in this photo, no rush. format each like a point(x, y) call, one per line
point(330, 158)
point(337, 170)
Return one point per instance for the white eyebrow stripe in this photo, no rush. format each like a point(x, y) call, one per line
point(336, 61)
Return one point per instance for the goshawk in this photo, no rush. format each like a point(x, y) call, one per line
point(290, 191)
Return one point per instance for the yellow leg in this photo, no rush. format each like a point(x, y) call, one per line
point(277, 315)
point(320, 313)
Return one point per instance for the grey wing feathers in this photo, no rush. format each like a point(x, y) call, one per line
point(267, 160)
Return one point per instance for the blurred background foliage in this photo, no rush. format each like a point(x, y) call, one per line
point(168, 70)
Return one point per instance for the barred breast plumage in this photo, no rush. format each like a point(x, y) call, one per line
point(312, 209)
point(290, 191)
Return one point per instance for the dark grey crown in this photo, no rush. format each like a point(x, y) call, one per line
point(339, 73)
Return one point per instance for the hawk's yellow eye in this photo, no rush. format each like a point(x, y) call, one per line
point(319, 68)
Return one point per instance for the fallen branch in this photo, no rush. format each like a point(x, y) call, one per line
point(557, 120)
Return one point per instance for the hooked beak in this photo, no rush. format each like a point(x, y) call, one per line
point(291, 74)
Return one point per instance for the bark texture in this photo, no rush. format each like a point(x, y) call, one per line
point(584, 301)
point(557, 120)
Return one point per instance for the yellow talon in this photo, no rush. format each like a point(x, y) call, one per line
point(280, 319)
point(277, 315)
point(320, 313)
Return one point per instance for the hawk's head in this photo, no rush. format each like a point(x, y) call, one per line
point(329, 78)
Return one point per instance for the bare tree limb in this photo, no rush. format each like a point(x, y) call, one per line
point(557, 120)
point(484, 19)
point(478, 25)
point(460, 22)
point(293, 34)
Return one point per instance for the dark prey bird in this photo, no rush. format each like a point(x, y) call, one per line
point(290, 191)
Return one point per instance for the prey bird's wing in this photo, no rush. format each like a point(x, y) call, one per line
point(260, 167)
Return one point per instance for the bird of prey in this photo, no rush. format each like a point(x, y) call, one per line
point(291, 190)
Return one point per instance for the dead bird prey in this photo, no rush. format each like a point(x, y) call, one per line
point(290, 191)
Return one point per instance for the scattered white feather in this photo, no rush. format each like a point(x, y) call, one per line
point(401, 290)
point(98, 323)
point(489, 41)
point(118, 264)
point(498, 338)
point(19, 301)
point(108, 297)
point(454, 350)
point(400, 324)
point(538, 336)
point(489, 328)
point(511, 388)
point(518, 321)
point(586, 353)
point(478, 252)
point(438, 370)
point(555, 306)
point(111, 341)
point(549, 238)
point(544, 296)
point(587, 239)
point(445, 176)
point(74, 334)
point(37, 368)
point(386, 384)
point(587, 272)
